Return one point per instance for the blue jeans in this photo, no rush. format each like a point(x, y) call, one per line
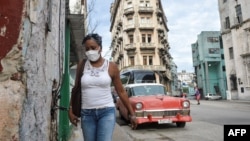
point(98, 124)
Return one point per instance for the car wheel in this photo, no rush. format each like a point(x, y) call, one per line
point(180, 124)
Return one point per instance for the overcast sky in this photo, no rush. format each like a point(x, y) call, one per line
point(186, 19)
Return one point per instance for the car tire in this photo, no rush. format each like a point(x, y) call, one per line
point(180, 124)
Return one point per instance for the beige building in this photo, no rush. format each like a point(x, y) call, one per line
point(235, 29)
point(139, 37)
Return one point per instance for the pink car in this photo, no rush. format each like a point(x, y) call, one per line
point(151, 104)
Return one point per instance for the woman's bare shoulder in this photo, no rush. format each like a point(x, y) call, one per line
point(112, 64)
point(113, 68)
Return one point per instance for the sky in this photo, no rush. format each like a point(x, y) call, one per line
point(186, 19)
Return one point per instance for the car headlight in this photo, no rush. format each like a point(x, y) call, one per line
point(185, 104)
point(138, 106)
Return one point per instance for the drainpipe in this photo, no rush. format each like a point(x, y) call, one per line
point(207, 79)
point(65, 91)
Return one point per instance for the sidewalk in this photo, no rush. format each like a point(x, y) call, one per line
point(119, 135)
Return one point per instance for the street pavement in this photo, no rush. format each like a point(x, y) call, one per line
point(121, 135)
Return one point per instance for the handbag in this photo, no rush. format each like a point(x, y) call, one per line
point(76, 96)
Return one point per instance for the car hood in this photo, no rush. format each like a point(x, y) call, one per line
point(158, 101)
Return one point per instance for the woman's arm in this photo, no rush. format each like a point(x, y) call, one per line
point(115, 75)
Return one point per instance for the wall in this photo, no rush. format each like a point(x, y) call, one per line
point(32, 45)
point(236, 36)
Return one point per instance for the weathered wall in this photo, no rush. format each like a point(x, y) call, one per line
point(12, 90)
point(10, 19)
point(32, 65)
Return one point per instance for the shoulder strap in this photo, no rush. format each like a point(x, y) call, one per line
point(79, 72)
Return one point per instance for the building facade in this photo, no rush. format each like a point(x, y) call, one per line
point(209, 64)
point(186, 83)
point(235, 31)
point(140, 37)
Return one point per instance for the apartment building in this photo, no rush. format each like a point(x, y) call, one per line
point(208, 62)
point(235, 31)
point(140, 37)
point(186, 82)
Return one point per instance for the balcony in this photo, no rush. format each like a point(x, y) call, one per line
point(129, 27)
point(131, 46)
point(120, 37)
point(147, 45)
point(147, 48)
point(161, 48)
point(159, 12)
point(148, 25)
point(119, 22)
point(145, 9)
point(129, 10)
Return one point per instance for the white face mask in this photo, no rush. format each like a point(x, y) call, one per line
point(93, 55)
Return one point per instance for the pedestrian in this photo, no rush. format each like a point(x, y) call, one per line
point(98, 116)
point(197, 95)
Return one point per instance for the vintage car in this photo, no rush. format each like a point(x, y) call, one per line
point(152, 105)
point(211, 96)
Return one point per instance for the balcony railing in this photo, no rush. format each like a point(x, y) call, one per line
point(131, 46)
point(144, 9)
point(147, 45)
point(148, 25)
point(129, 10)
point(130, 26)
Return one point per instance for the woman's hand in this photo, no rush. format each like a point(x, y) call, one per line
point(73, 119)
point(133, 122)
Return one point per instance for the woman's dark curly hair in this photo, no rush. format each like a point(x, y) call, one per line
point(93, 36)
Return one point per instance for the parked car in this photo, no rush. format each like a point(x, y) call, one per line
point(152, 104)
point(212, 96)
point(132, 76)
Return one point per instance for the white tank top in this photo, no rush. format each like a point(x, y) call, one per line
point(95, 84)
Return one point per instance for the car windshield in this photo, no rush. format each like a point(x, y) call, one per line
point(148, 90)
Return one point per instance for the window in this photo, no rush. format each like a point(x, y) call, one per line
point(131, 39)
point(222, 56)
point(144, 60)
point(146, 38)
point(143, 20)
point(231, 53)
point(145, 3)
point(238, 13)
point(149, 38)
point(146, 20)
point(248, 73)
point(247, 68)
point(132, 60)
point(223, 68)
point(143, 36)
point(150, 60)
point(147, 60)
point(214, 51)
point(213, 39)
point(224, 1)
point(227, 23)
point(130, 20)
point(129, 4)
